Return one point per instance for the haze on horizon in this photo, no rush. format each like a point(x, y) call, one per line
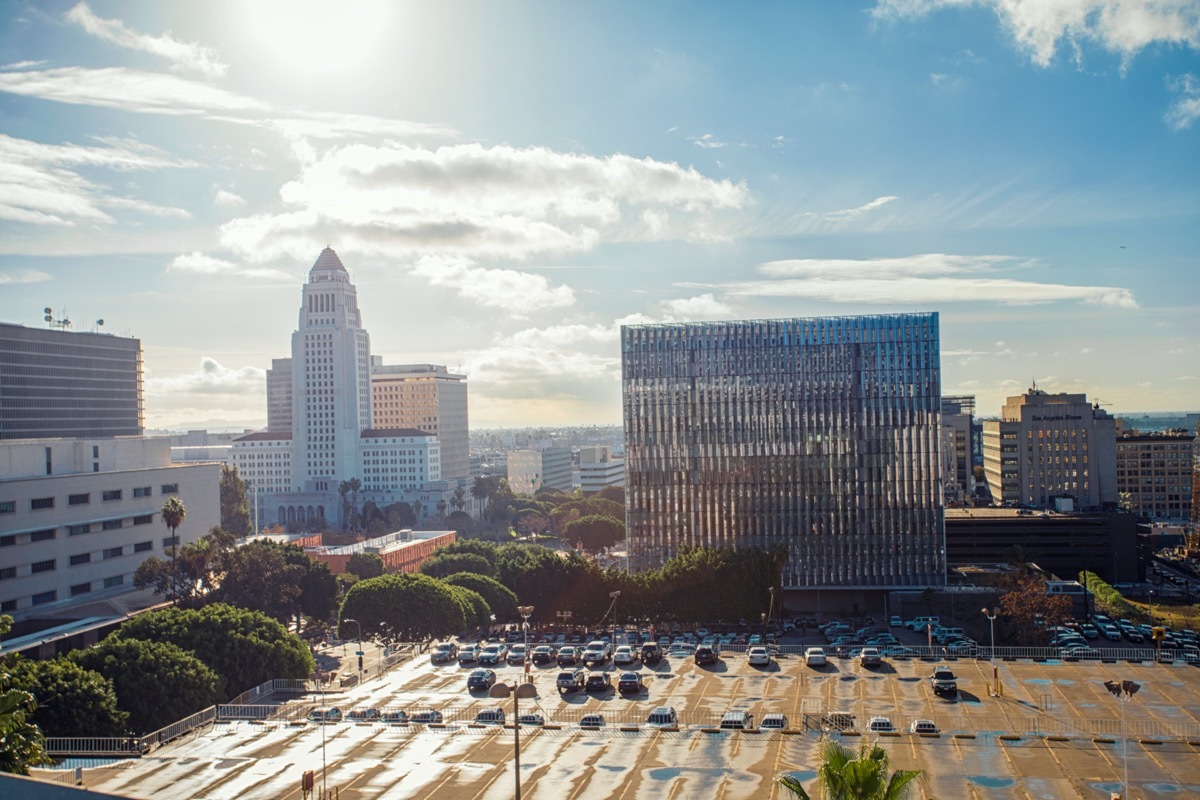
point(509, 183)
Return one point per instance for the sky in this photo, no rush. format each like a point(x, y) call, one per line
point(509, 183)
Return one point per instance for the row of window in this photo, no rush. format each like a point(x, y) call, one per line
point(78, 559)
point(52, 596)
point(84, 498)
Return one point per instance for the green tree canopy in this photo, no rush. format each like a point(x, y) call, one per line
point(439, 566)
point(72, 701)
point(594, 532)
point(279, 580)
point(157, 683)
point(500, 599)
point(472, 546)
point(244, 647)
point(476, 611)
point(235, 509)
point(399, 516)
point(365, 565)
point(22, 744)
point(415, 607)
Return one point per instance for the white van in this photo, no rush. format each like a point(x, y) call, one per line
point(774, 722)
point(737, 721)
point(663, 717)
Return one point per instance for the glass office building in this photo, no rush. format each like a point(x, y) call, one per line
point(819, 436)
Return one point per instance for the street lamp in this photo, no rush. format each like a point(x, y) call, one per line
point(616, 623)
point(770, 609)
point(1124, 692)
point(358, 650)
point(526, 690)
point(1151, 606)
point(526, 612)
point(991, 614)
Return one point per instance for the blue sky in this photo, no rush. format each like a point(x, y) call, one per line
point(510, 182)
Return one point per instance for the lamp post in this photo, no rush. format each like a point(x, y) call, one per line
point(1151, 606)
point(1124, 692)
point(991, 614)
point(358, 639)
point(526, 612)
point(526, 690)
point(616, 623)
point(770, 609)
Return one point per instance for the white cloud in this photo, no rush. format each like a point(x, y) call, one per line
point(518, 294)
point(183, 55)
point(212, 378)
point(1185, 108)
point(23, 64)
point(851, 213)
point(1039, 27)
point(923, 279)
point(154, 93)
point(203, 264)
point(39, 183)
point(226, 199)
point(700, 307)
point(23, 276)
point(707, 141)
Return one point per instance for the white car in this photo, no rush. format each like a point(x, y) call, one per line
point(923, 726)
point(758, 657)
point(815, 657)
point(623, 655)
point(881, 725)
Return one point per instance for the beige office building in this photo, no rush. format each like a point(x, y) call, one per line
point(1046, 447)
point(424, 397)
point(1154, 473)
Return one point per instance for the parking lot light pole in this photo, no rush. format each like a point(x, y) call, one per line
point(526, 612)
point(358, 639)
point(1124, 692)
point(616, 622)
point(991, 614)
point(1151, 606)
point(526, 690)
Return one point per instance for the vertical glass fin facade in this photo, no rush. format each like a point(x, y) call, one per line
point(817, 435)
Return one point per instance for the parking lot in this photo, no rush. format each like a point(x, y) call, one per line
point(1055, 732)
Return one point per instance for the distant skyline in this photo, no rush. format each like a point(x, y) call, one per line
point(508, 183)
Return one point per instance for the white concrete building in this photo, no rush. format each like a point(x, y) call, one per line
point(1047, 446)
point(599, 470)
point(530, 470)
point(78, 516)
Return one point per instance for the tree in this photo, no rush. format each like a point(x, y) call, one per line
point(439, 566)
point(483, 487)
point(194, 574)
point(499, 597)
point(461, 523)
point(156, 683)
point(279, 580)
point(349, 492)
point(72, 701)
point(476, 611)
point(22, 744)
point(245, 648)
point(614, 493)
point(529, 522)
point(458, 499)
point(1027, 609)
point(173, 513)
point(415, 607)
point(399, 516)
point(595, 532)
point(365, 565)
point(235, 509)
point(842, 776)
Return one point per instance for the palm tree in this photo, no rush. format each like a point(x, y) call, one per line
point(458, 499)
point(842, 776)
point(173, 513)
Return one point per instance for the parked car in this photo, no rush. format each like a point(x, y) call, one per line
point(591, 721)
point(571, 680)
point(395, 717)
point(443, 653)
point(516, 655)
point(624, 655)
point(531, 720)
point(869, 657)
point(815, 657)
point(330, 714)
point(706, 654)
point(426, 718)
point(758, 657)
point(880, 725)
point(493, 654)
point(490, 716)
point(598, 682)
point(364, 715)
point(568, 656)
point(663, 717)
point(480, 680)
point(542, 654)
point(468, 654)
point(651, 653)
point(774, 722)
point(737, 721)
point(896, 622)
point(923, 726)
point(630, 683)
point(597, 652)
point(944, 682)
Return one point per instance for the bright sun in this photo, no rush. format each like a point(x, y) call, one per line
point(318, 36)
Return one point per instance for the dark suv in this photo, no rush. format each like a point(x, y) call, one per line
point(706, 654)
point(944, 682)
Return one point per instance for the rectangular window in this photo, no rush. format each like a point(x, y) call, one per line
point(114, 552)
point(40, 503)
point(42, 536)
point(79, 499)
point(143, 519)
point(76, 530)
point(81, 558)
point(95, 451)
point(142, 547)
point(112, 524)
point(112, 494)
point(141, 491)
point(7, 572)
point(170, 541)
point(44, 597)
point(8, 605)
point(170, 488)
point(80, 588)
point(42, 566)
point(8, 541)
point(8, 506)
point(116, 580)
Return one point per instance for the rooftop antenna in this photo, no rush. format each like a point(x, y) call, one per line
point(63, 323)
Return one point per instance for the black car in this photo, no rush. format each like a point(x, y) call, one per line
point(598, 682)
point(542, 654)
point(630, 683)
point(480, 680)
point(706, 654)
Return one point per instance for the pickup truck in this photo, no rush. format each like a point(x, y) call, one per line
point(943, 682)
point(597, 652)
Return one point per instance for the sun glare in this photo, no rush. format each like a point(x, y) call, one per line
point(318, 36)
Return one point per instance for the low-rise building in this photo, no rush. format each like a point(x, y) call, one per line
point(1154, 473)
point(599, 470)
